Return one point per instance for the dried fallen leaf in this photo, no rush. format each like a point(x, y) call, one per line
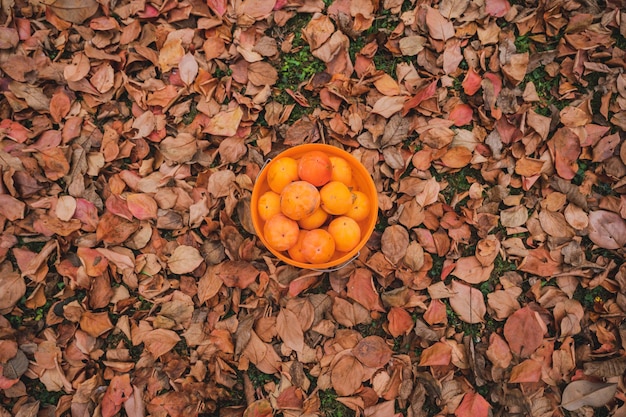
point(467, 302)
point(74, 11)
point(527, 323)
point(184, 259)
point(473, 405)
point(346, 375)
point(607, 229)
point(117, 393)
point(582, 393)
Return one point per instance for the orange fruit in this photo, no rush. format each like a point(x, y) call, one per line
point(360, 206)
point(282, 172)
point(299, 199)
point(346, 233)
point(318, 246)
point(269, 204)
point(315, 167)
point(341, 171)
point(315, 220)
point(295, 252)
point(281, 232)
point(336, 198)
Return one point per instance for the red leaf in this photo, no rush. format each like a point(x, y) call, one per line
point(423, 94)
point(461, 114)
point(438, 354)
point(497, 8)
point(361, 289)
point(116, 394)
point(473, 405)
point(400, 321)
point(471, 82)
point(524, 332)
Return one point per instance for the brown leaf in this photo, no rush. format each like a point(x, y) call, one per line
point(372, 351)
point(395, 131)
point(498, 352)
point(470, 270)
point(179, 149)
point(361, 289)
point(467, 302)
point(11, 208)
point(539, 262)
point(527, 371)
point(95, 324)
point(566, 151)
point(400, 321)
point(184, 260)
point(239, 274)
point(225, 123)
point(318, 30)
point(74, 11)
point(473, 405)
point(582, 393)
point(160, 341)
point(142, 206)
point(259, 408)
point(395, 242)
point(171, 53)
point(117, 393)
point(497, 8)
point(607, 229)
point(439, 27)
point(289, 331)
point(262, 73)
point(439, 354)
point(346, 375)
point(524, 332)
point(472, 82)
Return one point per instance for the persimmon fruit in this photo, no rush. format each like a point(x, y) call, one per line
point(346, 233)
point(282, 172)
point(318, 246)
point(299, 199)
point(315, 220)
point(315, 167)
point(281, 232)
point(295, 252)
point(360, 206)
point(341, 170)
point(336, 198)
point(269, 205)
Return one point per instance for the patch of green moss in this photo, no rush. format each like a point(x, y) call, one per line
point(330, 407)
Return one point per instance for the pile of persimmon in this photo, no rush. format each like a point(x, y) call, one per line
point(313, 208)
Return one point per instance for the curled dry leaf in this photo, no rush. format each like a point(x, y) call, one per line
point(582, 393)
point(74, 11)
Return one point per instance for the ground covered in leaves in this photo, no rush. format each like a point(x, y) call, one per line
point(131, 278)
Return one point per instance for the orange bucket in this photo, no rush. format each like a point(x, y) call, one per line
point(362, 181)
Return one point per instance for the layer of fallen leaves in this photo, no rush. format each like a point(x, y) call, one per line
point(131, 133)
